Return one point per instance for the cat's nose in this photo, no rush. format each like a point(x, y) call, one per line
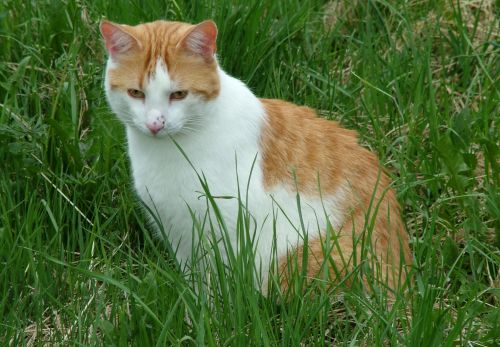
point(156, 125)
point(155, 121)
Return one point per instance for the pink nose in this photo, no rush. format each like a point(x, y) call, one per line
point(155, 126)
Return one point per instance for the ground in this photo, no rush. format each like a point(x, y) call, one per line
point(417, 79)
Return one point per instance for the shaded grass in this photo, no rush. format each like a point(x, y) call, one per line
point(418, 80)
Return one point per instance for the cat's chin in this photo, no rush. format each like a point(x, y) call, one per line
point(159, 135)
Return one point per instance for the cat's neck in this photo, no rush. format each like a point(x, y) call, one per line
point(236, 103)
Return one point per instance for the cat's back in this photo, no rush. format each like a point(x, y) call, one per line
point(295, 139)
point(321, 160)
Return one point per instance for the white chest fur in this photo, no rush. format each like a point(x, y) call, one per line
point(223, 152)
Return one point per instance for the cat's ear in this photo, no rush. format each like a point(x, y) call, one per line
point(118, 40)
point(201, 40)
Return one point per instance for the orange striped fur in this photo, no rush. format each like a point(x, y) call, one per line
point(162, 41)
point(298, 149)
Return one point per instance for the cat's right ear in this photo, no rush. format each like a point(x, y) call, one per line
point(118, 40)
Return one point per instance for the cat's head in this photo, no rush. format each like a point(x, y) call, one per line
point(161, 76)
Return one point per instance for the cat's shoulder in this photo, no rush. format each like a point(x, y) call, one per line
point(280, 113)
point(281, 108)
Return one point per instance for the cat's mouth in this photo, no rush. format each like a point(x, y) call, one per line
point(166, 130)
point(156, 133)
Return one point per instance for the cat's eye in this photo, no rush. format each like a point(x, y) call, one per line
point(136, 93)
point(178, 95)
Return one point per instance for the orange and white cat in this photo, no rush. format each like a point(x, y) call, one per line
point(163, 82)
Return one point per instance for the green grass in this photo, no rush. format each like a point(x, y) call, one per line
point(419, 80)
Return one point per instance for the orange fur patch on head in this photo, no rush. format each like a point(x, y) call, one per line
point(163, 41)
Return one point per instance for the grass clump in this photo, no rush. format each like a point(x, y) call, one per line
point(418, 80)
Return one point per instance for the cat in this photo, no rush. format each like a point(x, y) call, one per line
point(164, 83)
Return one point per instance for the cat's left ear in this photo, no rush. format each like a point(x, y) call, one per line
point(201, 40)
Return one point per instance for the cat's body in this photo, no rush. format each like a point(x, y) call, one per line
point(164, 83)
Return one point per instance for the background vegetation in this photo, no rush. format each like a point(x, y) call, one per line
point(419, 80)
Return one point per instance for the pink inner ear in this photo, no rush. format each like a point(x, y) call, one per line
point(117, 41)
point(202, 39)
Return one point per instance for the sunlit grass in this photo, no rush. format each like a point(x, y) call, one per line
point(78, 262)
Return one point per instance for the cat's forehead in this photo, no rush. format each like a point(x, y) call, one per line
point(159, 81)
point(160, 35)
point(159, 41)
